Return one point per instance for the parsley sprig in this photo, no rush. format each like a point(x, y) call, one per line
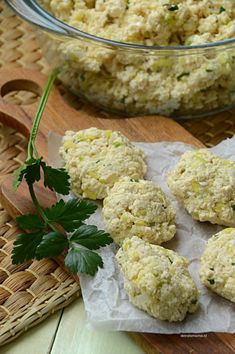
point(45, 232)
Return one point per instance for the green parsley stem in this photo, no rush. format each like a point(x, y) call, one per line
point(39, 208)
point(31, 145)
point(48, 227)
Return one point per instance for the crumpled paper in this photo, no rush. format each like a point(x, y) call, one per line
point(105, 299)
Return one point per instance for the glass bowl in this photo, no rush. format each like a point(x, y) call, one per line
point(131, 79)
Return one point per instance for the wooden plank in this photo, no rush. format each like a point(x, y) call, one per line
point(38, 340)
point(74, 338)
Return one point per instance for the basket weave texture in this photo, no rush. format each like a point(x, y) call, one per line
point(31, 292)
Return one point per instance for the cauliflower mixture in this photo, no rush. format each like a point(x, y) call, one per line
point(157, 280)
point(129, 82)
point(217, 270)
point(95, 159)
point(138, 208)
point(205, 185)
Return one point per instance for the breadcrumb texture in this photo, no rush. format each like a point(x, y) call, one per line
point(157, 280)
point(138, 208)
point(205, 185)
point(217, 270)
point(130, 82)
point(95, 159)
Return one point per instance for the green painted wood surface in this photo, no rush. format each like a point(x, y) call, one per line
point(66, 333)
point(37, 340)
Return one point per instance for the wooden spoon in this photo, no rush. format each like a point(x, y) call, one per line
point(59, 117)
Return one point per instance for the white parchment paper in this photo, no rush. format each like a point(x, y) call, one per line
point(105, 299)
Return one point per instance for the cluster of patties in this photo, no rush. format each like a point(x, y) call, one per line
point(95, 159)
point(103, 164)
point(217, 270)
point(157, 280)
point(205, 185)
point(138, 208)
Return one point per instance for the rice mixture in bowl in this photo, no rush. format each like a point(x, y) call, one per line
point(95, 159)
point(138, 208)
point(178, 82)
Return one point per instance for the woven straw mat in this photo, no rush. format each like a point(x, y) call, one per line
point(32, 291)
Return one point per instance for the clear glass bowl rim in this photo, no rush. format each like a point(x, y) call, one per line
point(43, 19)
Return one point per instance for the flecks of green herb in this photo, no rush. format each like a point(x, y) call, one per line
point(211, 281)
point(82, 77)
point(123, 99)
point(152, 224)
point(222, 9)
point(117, 144)
point(170, 260)
point(193, 302)
point(182, 75)
point(171, 7)
point(134, 180)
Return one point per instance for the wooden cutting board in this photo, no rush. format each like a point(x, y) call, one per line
point(59, 117)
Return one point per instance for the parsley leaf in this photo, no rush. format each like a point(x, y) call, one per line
point(233, 206)
point(18, 176)
point(25, 247)
point(80, 260)
point(90, 237)
point(51, 245)
point(45, 238)
point(56, 179)
point(30, 222)
point(32, 172)
point(70, 215)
